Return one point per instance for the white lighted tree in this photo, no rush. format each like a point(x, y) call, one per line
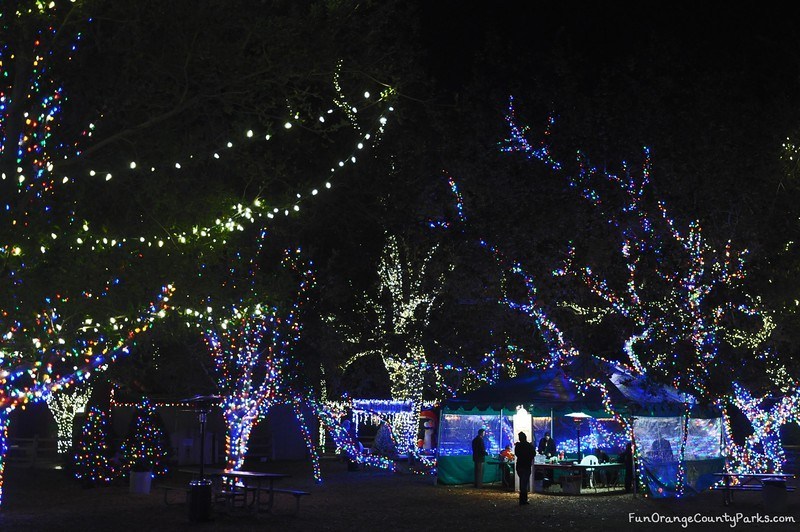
point(397, 316)
point(65, 406)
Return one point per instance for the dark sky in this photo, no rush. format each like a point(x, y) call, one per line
point(729, 34)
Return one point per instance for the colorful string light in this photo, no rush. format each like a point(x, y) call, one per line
point(146, 447)
point(682, 311)
point(250, 350)
point(91, 460)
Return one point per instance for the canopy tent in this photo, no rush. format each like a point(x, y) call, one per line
point(538, 402)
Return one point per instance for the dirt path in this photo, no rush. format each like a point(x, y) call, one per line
point(372, 500)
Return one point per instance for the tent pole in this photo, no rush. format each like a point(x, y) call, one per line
point(500, 445)
point(633, 456)
point(438, 443)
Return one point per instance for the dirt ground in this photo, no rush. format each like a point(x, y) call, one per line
point(373, 500)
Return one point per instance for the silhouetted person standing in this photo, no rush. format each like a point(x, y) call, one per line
point(479, 457)
point(627, 459)
point(525, 453)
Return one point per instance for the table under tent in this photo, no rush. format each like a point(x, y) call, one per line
point(539, 402)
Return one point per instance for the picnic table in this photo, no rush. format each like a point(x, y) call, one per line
point(241, 482)
point(242, 490)
point(574, 473)
point(751, 482)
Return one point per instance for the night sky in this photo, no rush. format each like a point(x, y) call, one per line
point(759, 44)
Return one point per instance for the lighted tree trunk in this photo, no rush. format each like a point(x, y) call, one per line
point(64, 406)
point(239, 423)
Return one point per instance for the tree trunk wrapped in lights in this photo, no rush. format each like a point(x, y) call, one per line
point(64, 315)
point(398, 316)
point(64, 406)
point(74, 295)
point(250, 350)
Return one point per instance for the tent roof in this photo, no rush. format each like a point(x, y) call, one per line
point(550, 390)
point(539, 393)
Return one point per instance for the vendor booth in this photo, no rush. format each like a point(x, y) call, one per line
point(675, 452)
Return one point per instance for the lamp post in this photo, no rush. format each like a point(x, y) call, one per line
point(200, 490)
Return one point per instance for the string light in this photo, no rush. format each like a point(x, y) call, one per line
point(146, 446)
point(705, 268)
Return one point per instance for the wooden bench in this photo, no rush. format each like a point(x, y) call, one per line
point(297, 494)
point(750, 482)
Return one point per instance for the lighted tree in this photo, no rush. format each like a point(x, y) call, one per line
point(64, 406)
point(690, 319)
point(146, 445)
point(91, 458)
point(397, 316)
point(63, 314)
point(251, 353)
point(762, 450)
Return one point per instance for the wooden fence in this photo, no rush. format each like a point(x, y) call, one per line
point(32, 451)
